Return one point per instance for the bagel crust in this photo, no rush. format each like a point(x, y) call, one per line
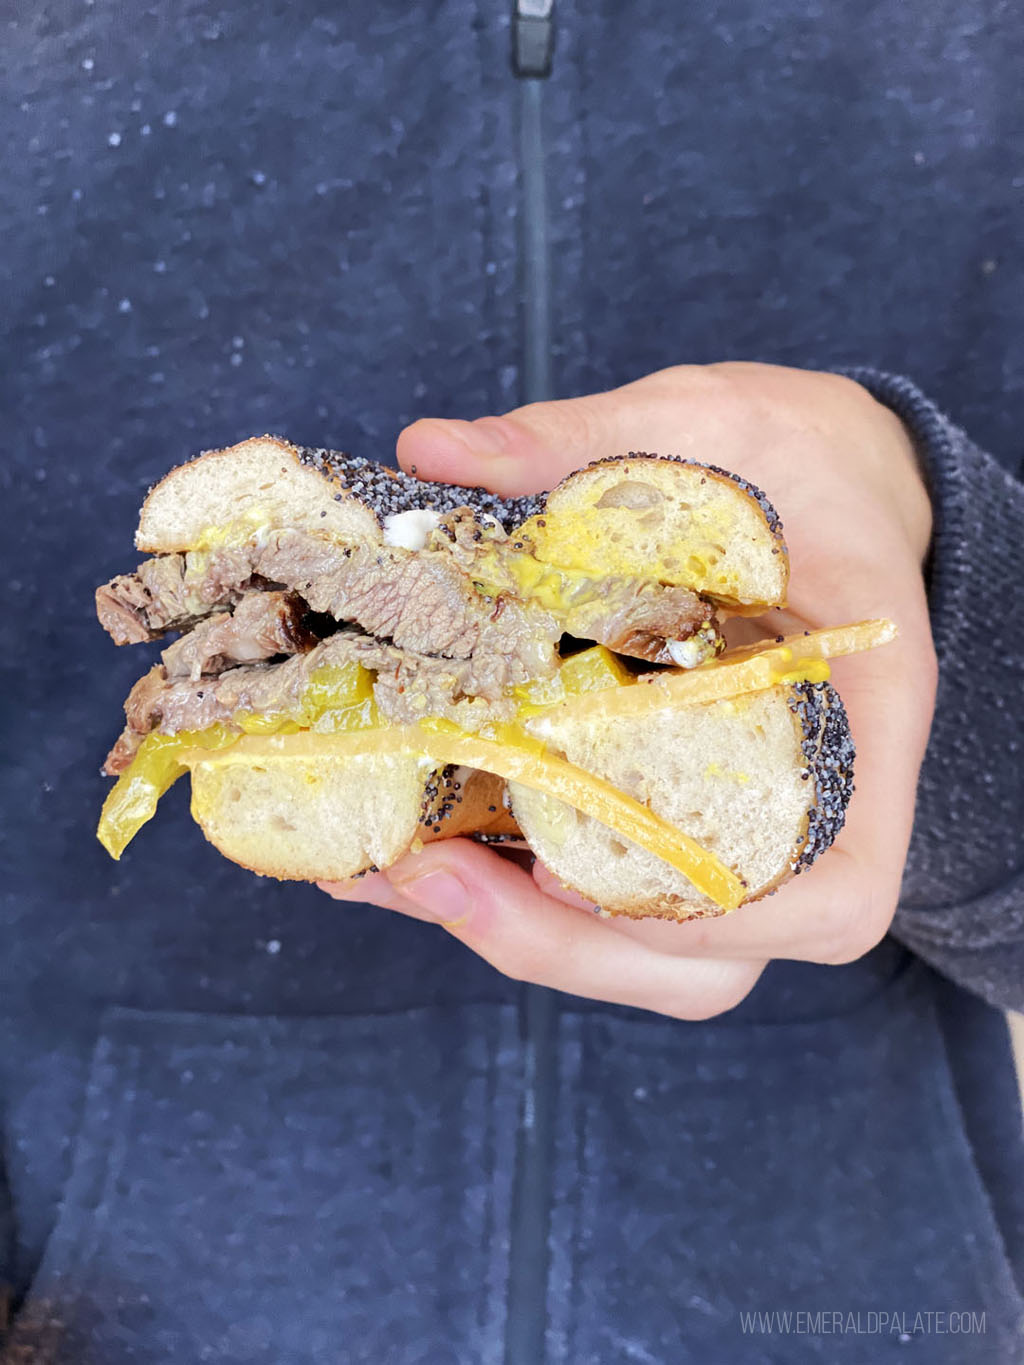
point(389, 492)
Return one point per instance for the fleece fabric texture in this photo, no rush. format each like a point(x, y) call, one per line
point(962, 903)
point(243, 1123)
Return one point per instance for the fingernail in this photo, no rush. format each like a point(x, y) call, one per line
point(440, 893)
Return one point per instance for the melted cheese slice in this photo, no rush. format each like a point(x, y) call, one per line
point(751, 668)
point(516, 758)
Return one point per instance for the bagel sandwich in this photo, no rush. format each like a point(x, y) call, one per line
point(359, 662)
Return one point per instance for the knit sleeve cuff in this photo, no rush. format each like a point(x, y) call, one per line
point(962, 903)
point(975, 543)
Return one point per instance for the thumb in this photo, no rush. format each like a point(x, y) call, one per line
point(531, 448)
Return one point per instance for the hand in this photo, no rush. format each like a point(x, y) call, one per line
point(842, 472)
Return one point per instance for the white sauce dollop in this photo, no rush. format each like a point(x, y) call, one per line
point(687, 653)
point(410, 530)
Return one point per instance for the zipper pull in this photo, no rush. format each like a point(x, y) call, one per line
point(533, 37)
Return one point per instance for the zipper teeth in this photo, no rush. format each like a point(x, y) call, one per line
point(526, 1321)
point(535, 267)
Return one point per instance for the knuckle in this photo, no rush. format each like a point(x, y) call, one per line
point(759, 399)
point(574, 423)
point(711, 385)
point(726, 380)
point(791, 400)
point(678, 377)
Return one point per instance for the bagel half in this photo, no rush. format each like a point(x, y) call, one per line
point(688, 522)
point(318, 818)
point(224, 495)
point(762, 780)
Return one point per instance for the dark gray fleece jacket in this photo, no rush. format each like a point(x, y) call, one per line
point(242, 1123)
point(962, 904)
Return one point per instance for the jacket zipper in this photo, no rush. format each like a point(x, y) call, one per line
point(526, 1320)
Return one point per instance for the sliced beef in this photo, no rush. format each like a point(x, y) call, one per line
point(121, 755)
point(158, 702)
point(629, 615)
point(423, 601)
point(122, 606)
point(639, 619)
point(408, 688)
point(133, 606)
point(263, 624)
point(420, 600)
point(171, 592)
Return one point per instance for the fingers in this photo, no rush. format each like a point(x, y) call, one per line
point(490, 451)
point(833, 913)
point(536, 446)
point(498, 911)
point(374, 890)
point(830, 914)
